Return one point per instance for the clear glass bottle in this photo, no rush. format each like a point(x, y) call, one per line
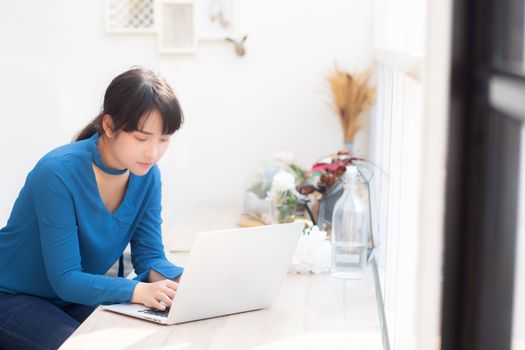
point(349, 230)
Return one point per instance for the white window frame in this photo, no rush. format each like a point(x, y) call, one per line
point(408, 141)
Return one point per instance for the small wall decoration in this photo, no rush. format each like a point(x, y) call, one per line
point(216, 19)
point(239, 47)
point(130, 16)
point(177, 26)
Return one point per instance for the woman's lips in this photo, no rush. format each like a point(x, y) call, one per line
point(145, 165)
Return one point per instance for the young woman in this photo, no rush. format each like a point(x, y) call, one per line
point(79, 208)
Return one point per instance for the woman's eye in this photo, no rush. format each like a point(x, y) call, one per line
point(140, 139)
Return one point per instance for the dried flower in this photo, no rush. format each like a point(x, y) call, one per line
point(351, 96)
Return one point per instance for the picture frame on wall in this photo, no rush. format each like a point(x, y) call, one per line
point(177, 23)
point(130, 16)
point(217, 19)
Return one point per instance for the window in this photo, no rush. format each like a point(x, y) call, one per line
point(396, 139)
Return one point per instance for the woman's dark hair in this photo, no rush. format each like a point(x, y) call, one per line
point(133, 95)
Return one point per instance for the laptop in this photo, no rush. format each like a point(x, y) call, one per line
point(227, 272)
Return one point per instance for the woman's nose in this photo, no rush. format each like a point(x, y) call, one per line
point(152, 152)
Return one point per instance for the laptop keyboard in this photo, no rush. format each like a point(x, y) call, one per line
point(156, 312)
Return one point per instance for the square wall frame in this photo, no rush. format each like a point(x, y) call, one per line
point(177, 26)
point(130, 16)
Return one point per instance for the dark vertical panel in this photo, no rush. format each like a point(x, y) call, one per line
point(498, 235)
point(482, 179)
point(456, 201)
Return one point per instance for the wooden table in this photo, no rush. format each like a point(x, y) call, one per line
point(311, 312)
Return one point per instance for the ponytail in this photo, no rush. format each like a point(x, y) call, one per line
point(89, 130)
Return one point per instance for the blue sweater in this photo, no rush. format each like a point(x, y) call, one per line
point(60, 239)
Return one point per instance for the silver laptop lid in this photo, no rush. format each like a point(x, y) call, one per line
point(235, 270)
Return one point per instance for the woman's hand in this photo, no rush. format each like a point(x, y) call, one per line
point(152, 294)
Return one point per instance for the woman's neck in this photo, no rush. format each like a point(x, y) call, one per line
point(109, 159)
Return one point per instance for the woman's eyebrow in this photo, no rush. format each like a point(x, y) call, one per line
point(145, 132)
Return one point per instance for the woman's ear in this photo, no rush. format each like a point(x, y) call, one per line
point(108, 126)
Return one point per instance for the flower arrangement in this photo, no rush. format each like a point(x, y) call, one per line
point(352, 96)
point(272, 196)
point(323, 186)
point(326, 171)
point(283, 196)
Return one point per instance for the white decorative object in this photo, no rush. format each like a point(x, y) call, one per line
point(259, 208)
point(313, 253)
point(130, 16)
point(282, 182)
point(177, 26)
point(216, 19)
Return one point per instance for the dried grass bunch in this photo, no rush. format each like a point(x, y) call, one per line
point(352, 95)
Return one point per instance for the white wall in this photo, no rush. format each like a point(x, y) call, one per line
point(56, 61)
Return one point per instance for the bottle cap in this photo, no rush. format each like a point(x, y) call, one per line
point(352, 175)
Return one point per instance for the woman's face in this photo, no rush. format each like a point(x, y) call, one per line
point(139, 150)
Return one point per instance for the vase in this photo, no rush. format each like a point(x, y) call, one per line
point(281, 214)
point(349, 146)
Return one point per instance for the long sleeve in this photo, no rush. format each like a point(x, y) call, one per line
point(147, 250)
point(55, 212)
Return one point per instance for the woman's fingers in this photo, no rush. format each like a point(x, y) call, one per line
point(157, 305)
point(159, 294)
point(162, 297)
point(171, 284)
point(169, 292)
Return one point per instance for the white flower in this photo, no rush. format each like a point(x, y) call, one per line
point(283, 186)
point(313, 253)
point(283, 181)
